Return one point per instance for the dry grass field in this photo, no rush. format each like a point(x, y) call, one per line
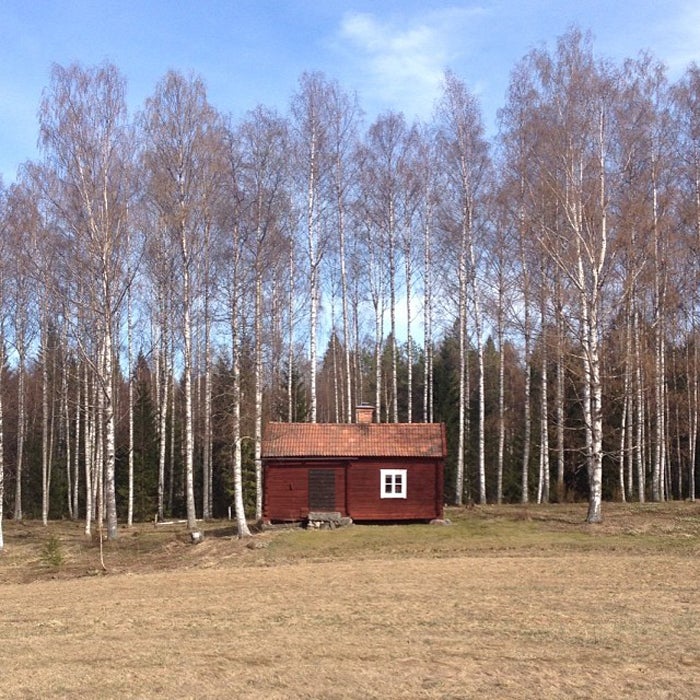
point(507, 602)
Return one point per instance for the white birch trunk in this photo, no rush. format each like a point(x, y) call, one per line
point(258, 393)
point(560, 400)
point(409, 341)
point(476, 305)
point(659, 464)
point(130, 417)
point(625, 475)
point(527, 408)
point(463, 389)
point(45, 464)
point(98, 481)
point(427, 317)
point(624, 420)
point(207, 496)
point(375, 274)
point(290, 339)
point(639, 403)
point(207, 467)
point(89, 443)
point(378, 333)
point(347, 355)
point(187, 377)
point(241, 522)
point(500, 334)
point(21, 425)
point(207, 481)
point(543, 482)
point(312, 243)
point(76, 451)
point(163, 382)
point(596, 418)
point(392, 314)
point(692, 419)
point(591, 303)
point(481, 390)
point(65, 416)
point(110, 455)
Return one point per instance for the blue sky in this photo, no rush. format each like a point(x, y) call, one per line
point(392, 52)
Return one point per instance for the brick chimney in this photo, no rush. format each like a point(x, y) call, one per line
point(364, 413)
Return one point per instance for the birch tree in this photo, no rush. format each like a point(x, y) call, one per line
point(464, 157)
point(263, 141)
point(425, 168)
point(22, 221)
point(83, 131)
point(159, 268)
point(571, 157)
point(181, 131)
point(343, 117)
point(313, 164)
point(385, 164)
point(237, 281)
point(686, 95)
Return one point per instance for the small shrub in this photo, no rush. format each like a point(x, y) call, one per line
point(52, 552)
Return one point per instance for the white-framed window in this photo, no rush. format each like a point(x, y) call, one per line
point(392, 483)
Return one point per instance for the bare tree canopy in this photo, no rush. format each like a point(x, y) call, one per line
point(172, 280)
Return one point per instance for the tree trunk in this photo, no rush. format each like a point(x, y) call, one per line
point(130, 418)
point(258, 392)
point(462, 381)
point(65, 419)
point(110, 456)
point(394, 411)
point(241, 522)
point(481, 390)
point(408, 266)
point(427, 317)
point(45, 417)
point(543, 482)
point(693, 419)
point(89, 428)
point(187, 377)
point(76, 451)
point(21, 425)
point(500, 334)
point(527, 408)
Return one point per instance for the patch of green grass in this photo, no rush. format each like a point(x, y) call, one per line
point(484, 530)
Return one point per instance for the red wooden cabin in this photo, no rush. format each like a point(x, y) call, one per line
point(364, 471)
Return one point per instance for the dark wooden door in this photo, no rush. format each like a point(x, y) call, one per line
point(322, 490)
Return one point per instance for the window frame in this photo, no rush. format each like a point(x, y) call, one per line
point(389, 489)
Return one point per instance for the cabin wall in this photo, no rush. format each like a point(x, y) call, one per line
point(424, 491)
point(357, 489)
point(286, 491)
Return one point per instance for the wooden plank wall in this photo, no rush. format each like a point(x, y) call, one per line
point(422, 502)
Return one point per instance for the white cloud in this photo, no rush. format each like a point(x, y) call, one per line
point(399, 63)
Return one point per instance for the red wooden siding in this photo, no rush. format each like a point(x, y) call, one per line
point(423, 491)
point(286, 495)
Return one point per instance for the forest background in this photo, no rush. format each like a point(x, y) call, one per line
point(173, 279)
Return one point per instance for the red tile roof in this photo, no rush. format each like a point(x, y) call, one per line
point(354, 440)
